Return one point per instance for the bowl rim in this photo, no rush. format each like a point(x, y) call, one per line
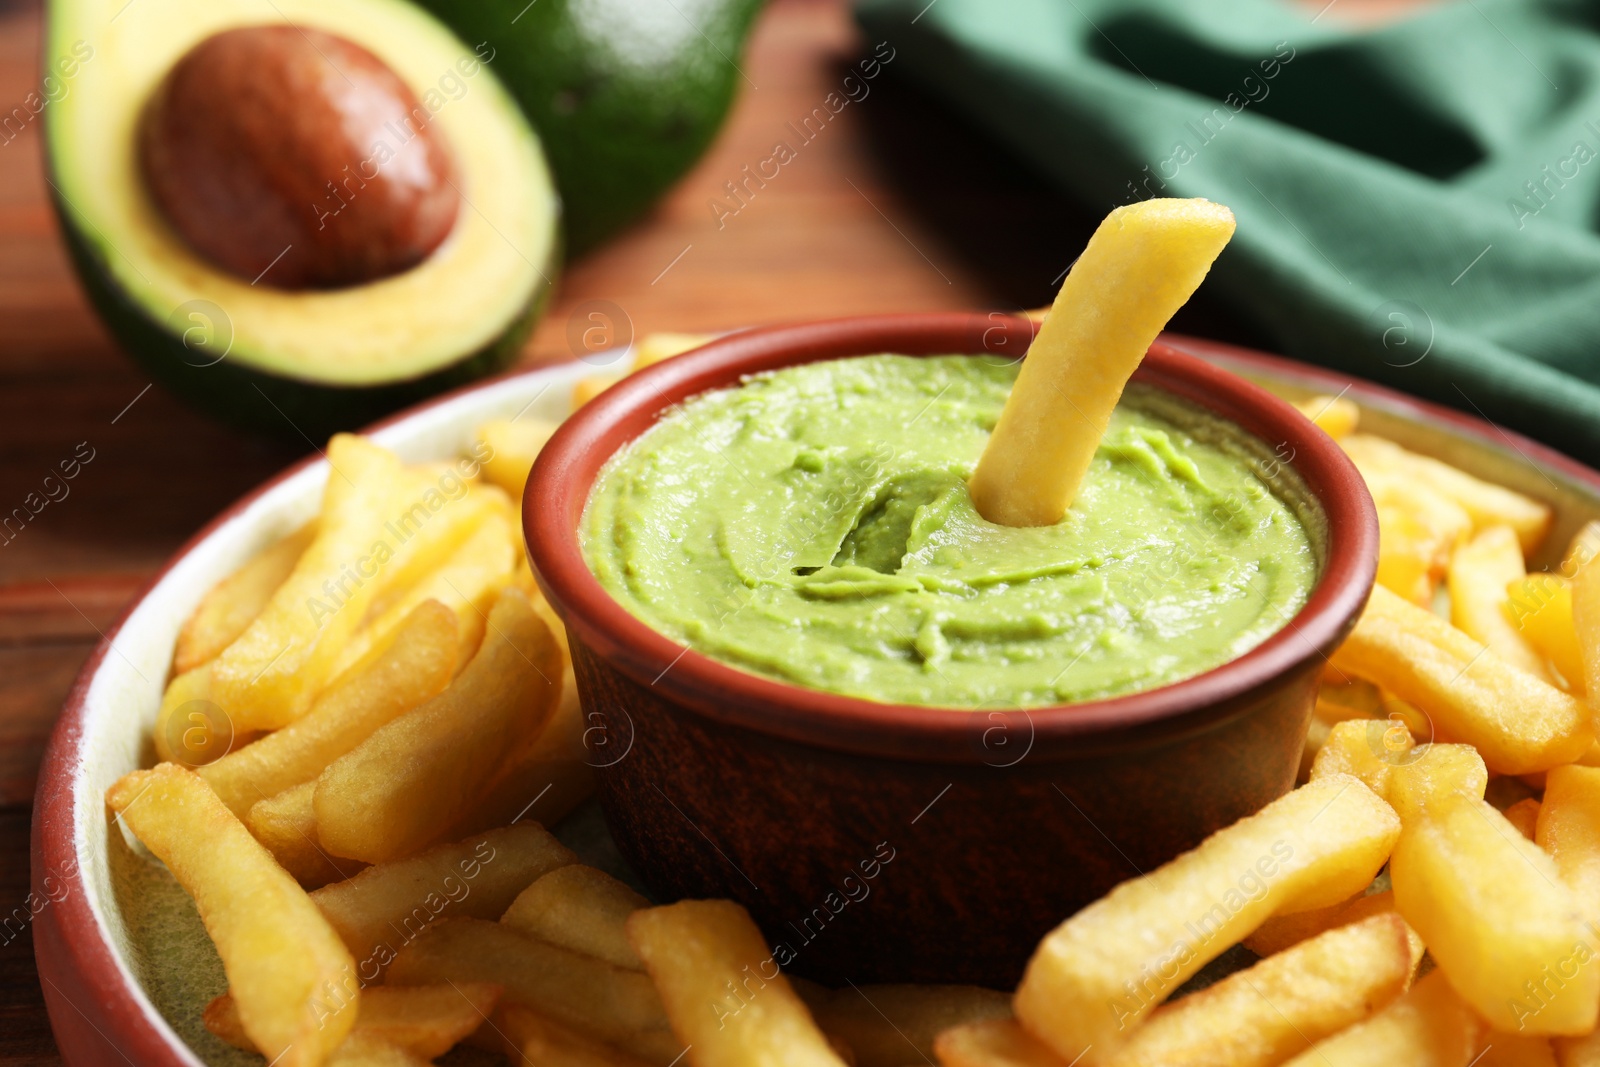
point(562, 478)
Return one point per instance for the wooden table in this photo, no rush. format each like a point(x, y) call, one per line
point(894, 207)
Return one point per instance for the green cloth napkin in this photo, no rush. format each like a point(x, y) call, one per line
point(1417, 202)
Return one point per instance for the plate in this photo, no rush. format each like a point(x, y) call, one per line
point(123, 965)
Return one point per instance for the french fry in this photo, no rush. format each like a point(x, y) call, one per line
point(1336, 416)
point(1492, 909)
point(1143, 262)
point(1418, 530)
point(1427, 1027)
point(413, 778)
point(425, 1020)
point(1518, 723)
point(293, 979)
point(286, 826)
point(1480, 572)
point(513, 445)
point(893, 1025)
point(580, 908)
point(1261, 1016)
point(388, 905)
point(1379, 759)
point(1283, 932)
point(269, 676)
point(188, 729)
point(1485, 503)
point(1540, 608)
point(1586, 621)
point(612, 1004)
point(586, 389)
point(1582, 548)
point(725, 996)
point(1577, 1051)
point(362, 1050)
point(529, 1039)
point(1569, 830)
point(1524, 815)
point(1340, 699)
point(1515, 1050)
point(1317, 731)
point(416, 666)
point(466, 579)
point(546, 780)
point(652, 348)
point(1095, 976)
point(993, 1043)
point(233, 603)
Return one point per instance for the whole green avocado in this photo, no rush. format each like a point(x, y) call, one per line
point(625, 94)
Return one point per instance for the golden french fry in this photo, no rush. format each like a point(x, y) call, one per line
point(1427, 1027)
point(1540, 608)
point(1340, 699)
point(1515, 1050)
point(1143, 262)
point(893, 1025)
point(1418, 530)
point(189, 727)
point(612, 1004)
point(1261, 1016)
point(1586, 621)
point(293, 979)
point(466, 578)
point(1524, 815)
point(580, 908)
point(1379, 753)
point(1095, 976)
point(1485, 503)
point(1582, 548)
point(1480, 572)
point(532, 1040)
point(413, 778)
point(425, 1020)
point(1577, 1051)
point(415, 667)
point(1493, 911)
point(546, 780)
point(1569, 830)
point(269, 676)
point(512, 446)
point(1517, 722)
point(724, 994)
point(586, 389)
point(1317, 731)
point(233, 603)
point(286, 826)
point(993, 1043)
point(386, 906)
point(363, 1050)
point(1282, 932)
point(1336, 416)
point(652, 348)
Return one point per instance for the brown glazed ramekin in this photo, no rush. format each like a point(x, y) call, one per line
point(879, 842)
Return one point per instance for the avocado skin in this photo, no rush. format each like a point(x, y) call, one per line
point(616, 134)
point(288, 409)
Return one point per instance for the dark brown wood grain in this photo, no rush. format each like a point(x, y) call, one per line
point(895, 206)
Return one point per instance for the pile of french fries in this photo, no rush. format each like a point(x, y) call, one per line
point(367, 853)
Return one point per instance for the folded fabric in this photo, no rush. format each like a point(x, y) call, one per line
point(1417, 202)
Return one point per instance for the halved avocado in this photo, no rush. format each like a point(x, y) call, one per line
point(297, 363)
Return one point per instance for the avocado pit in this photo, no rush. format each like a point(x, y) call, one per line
point(296, 159)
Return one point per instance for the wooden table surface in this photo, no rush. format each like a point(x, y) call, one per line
point(894, 207)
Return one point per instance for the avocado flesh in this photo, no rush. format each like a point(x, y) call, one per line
point(626, 94)
point(297, 362)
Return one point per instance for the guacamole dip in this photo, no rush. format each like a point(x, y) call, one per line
point(814, 525)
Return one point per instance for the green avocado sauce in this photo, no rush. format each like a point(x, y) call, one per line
point(813, 524)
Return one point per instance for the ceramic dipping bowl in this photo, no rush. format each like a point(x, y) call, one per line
point(877, 842)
